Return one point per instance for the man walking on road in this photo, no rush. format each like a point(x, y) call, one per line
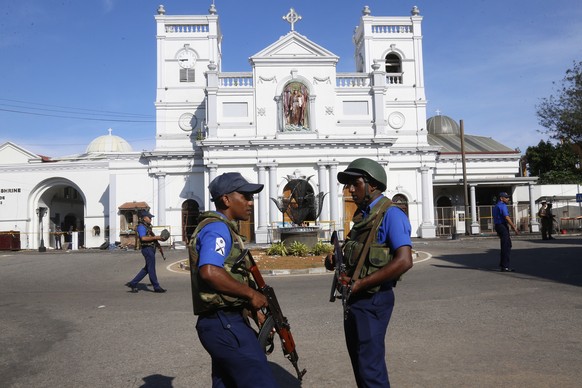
point(502, 223)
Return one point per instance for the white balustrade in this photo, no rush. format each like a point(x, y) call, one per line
point(392, 29)
point(186, 28)
point(235, 80)
point(353, 81)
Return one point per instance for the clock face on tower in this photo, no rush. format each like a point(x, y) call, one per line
point(187, 121)
point(186, 59)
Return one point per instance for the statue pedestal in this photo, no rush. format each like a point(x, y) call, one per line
point(307, 235)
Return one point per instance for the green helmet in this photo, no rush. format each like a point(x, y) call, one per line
point(368, 168)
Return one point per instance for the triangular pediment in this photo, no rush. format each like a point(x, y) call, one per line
point(11, 153)
point(294, 46)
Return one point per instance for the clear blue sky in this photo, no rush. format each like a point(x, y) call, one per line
point(71, 69)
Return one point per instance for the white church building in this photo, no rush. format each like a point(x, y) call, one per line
point(292, 118)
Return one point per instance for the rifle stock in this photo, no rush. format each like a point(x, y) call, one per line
point(275, 318)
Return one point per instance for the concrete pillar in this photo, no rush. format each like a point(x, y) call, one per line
point(427, 227)
point(274, 214)
point(322, 177)
point(534, 225)
point(261, 233)
point(475, 227)
point(161, 213)
point(333, 197)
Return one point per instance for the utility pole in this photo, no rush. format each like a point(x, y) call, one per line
point(466, 199)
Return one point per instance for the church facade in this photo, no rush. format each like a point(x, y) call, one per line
point(292, 121)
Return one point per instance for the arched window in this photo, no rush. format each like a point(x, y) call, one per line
point(393, 63)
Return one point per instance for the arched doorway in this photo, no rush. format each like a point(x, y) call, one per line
point(65, 211)
point(190, 213)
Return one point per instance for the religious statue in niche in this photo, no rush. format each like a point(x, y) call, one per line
point(295, 107)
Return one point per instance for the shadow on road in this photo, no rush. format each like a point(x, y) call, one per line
point(562, 262)
point(157, 381)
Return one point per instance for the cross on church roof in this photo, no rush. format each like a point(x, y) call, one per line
point(292, 17)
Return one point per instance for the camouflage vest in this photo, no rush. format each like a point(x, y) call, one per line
point(379, 255)
point(204, 297)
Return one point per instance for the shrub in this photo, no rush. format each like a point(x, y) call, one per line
point(277, 249)
point(298, 249)
point(322, 248)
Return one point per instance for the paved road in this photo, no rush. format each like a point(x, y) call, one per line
point(67, 320)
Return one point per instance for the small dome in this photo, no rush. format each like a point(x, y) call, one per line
point(442, 125)
point(108, 143)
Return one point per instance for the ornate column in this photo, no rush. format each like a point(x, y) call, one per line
point(323, 184)
point(475, 227)
point(333, 197)
point(378, 103)
point(211, 175)
point(211, 100)
point(427, 228)
point(534, 225)
point(261, 233)
point(273, 193)
point(161, 214)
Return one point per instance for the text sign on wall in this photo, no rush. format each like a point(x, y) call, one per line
point(578, 197)
point(4, 191)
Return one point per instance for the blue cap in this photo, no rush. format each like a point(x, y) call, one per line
point(503, 194)
point(144, 213)
point(230, 182)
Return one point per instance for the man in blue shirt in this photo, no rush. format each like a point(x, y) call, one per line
point(380, 240)
point(148, 241)
point(223, 297)
point(502, 222)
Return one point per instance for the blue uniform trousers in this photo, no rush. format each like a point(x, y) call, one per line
point(505, 241)
point(365, 331)
point(149, 253)
point(237, 357)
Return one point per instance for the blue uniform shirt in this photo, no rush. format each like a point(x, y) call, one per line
point(141, 230)
point(499, 213)
point(395, 228)
point(213, 244)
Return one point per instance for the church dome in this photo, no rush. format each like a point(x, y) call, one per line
point(108, 143)
point(442, 125)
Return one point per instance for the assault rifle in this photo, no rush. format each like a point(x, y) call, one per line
point(159, 246)
point(339, 285)
point(274, 316)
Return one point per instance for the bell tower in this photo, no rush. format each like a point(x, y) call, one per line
point(186, 46)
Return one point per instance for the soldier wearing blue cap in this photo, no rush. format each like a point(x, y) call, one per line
point(502, 222)
point(148, 240)
point(223, 298)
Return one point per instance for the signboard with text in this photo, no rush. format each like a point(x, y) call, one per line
point(578, 197)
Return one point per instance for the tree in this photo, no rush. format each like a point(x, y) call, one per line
point(561, 114)
point(553, 164)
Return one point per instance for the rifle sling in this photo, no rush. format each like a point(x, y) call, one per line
point(371, 235)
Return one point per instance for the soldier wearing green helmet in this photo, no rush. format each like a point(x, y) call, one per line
point(377, 251)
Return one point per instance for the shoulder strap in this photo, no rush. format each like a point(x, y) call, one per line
point(373, 232)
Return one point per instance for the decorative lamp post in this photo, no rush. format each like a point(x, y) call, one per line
point(41, 212)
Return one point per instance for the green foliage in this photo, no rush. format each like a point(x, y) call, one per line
point(277, 249)
point(322, 248)
point(553, 164)
point(298, 249)
point(561, 114)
